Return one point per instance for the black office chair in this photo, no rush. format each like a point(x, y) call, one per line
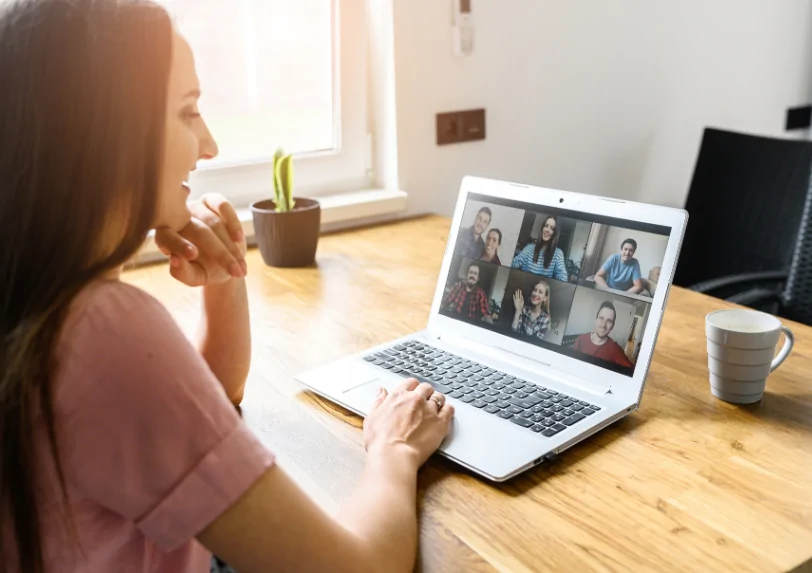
point(789, 294)
point(745, 204)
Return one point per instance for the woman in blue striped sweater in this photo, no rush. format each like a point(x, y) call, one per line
point(551, 262)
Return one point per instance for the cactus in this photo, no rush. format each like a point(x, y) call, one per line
point(283, 182)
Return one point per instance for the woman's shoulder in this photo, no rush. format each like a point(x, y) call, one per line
point(114, 308)
point(111, 314)
point(118, 332)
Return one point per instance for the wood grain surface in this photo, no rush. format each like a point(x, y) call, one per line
point(687, 483)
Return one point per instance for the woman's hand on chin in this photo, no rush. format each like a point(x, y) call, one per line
point(210, 250)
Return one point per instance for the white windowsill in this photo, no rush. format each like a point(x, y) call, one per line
point(337, 212)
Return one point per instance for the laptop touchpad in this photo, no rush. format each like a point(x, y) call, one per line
point(361, 397)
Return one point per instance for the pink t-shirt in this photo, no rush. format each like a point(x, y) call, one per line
point(151, 448)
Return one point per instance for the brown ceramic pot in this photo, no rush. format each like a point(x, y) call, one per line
point(287, 239)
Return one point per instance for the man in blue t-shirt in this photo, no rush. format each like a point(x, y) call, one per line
point(622, 271)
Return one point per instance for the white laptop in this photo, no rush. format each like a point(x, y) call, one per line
point(542, 328)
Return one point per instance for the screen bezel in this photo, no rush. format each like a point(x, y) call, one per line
point(620, 384)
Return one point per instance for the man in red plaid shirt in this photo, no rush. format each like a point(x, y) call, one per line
point(466, 298)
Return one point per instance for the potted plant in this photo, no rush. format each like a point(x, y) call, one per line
point(286, 228)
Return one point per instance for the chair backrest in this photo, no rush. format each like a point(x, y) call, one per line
point(745, 204)
point(797, 299)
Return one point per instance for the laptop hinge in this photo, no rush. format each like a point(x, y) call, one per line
point(528, 364)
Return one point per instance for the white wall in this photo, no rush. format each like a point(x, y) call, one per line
point(593, 96)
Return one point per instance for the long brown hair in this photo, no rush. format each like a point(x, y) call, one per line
point(83, 88)
point(551, 246)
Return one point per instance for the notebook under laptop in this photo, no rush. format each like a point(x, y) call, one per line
point(543, 323)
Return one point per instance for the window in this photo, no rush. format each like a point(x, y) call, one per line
point(276, 73)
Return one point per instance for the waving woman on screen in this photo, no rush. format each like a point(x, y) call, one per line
point(544, 258)
point(534, 319)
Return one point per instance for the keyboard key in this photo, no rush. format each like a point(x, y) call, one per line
point(396, 370)
point(556, 399)
point(478, 395)
point(533, 399)
point(454, 385)
point(456, 394)
point(573, 419)
point(369, 358)
point(478, 404)
point(523, 422)
point(550, 432)
point(577, 407)
point(567, 412)
point(467, 399)
point(514, 409)
point(466, 390)
point(538, 428)
point(548, 422)
point(558, 408)
point(587, 412)
point(509, 390)
point(502, 405)
point(558, 417)
point(489, 399)
point(521, 395)
point(566, 403)
point(505, 414)
point(523, 404)
point(498, 385)
point(596, 408)
point(492, 392)
point(491, 409)
point(538, 409)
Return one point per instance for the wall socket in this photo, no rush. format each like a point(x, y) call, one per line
point(460, 126)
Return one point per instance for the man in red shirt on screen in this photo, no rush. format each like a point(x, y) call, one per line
point(598, 343)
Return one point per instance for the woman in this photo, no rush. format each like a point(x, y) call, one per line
point(121, 448)
point(551, 264)
point(494, 240)
point(534, 319)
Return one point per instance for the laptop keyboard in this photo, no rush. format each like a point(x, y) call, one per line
point(528, 405)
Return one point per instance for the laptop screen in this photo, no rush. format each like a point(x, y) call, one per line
point(574, 283)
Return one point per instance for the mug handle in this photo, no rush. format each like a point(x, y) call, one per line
point(788, 344)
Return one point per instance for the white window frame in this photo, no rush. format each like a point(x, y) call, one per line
point(366, 58)
point(348, 166)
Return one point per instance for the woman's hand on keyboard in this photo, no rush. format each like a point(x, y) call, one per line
point(413, 419)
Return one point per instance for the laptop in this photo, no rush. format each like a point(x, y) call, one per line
point(542, 327)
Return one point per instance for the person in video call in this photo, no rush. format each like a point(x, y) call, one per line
point(467, 299)
point(621, 271)
point(598, 343)
point(544, 258)
point(533, 319)
point(492, 242)
point(470, 243)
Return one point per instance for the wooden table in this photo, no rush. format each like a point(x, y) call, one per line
point(688, 483)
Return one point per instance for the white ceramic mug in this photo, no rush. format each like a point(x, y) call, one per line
point(741, 346)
